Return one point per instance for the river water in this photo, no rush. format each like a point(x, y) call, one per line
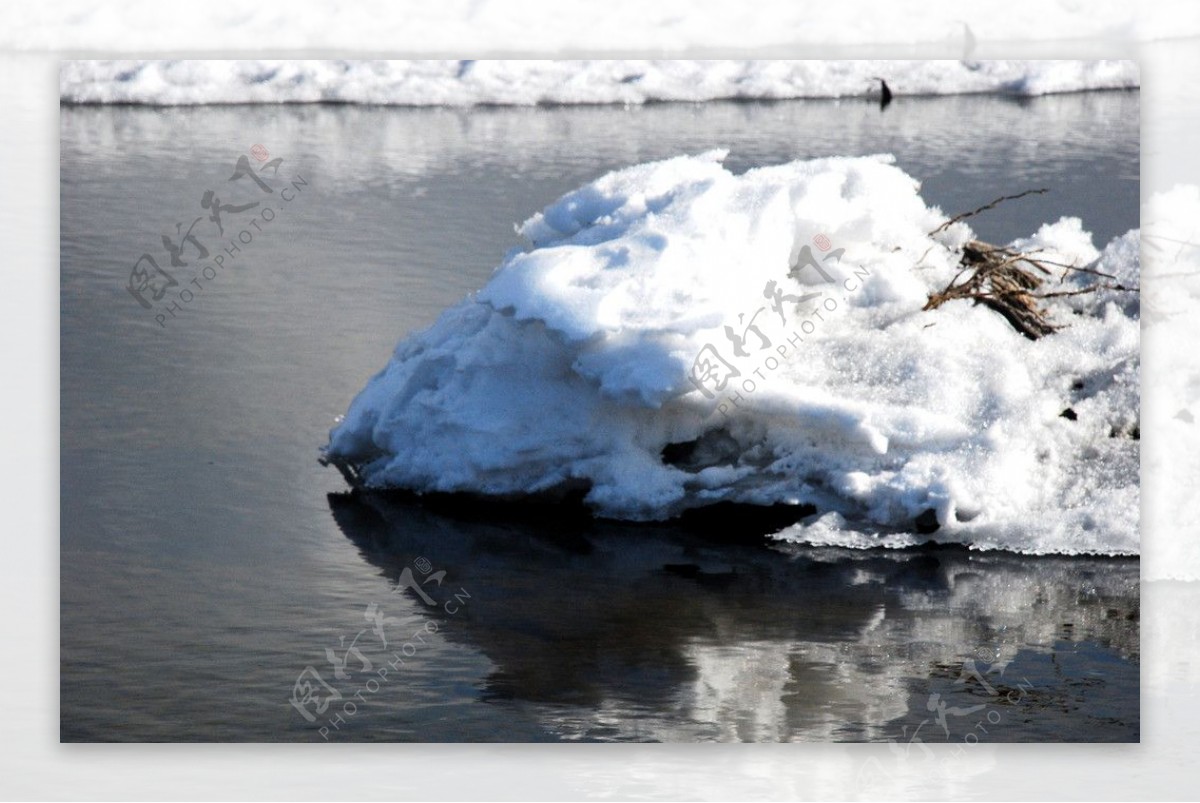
point(216, 580)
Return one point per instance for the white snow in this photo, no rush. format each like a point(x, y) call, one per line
point(1171, 455)
point(524, 83)
point(585, 355)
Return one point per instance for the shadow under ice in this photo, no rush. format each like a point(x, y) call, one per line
point(707, 631)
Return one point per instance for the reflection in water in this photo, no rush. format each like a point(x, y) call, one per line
point(1083, 147)
point(606, 631)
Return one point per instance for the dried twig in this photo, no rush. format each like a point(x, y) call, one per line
point(985, 208)
point(1002, 280)
point(995, 278)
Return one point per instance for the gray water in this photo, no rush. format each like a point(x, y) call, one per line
point(208, 560)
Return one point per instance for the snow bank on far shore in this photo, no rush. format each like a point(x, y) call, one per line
point(527, 83)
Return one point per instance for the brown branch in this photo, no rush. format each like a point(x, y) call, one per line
point(1086, 290)
point(984, 208)
point(995, 278)
point(1064, 265)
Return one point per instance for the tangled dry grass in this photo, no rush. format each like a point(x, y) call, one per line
point(1013, 283)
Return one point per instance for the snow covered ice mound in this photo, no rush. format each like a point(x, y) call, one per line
point(678, 336)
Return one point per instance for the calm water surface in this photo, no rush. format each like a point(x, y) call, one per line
point(208, 560)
